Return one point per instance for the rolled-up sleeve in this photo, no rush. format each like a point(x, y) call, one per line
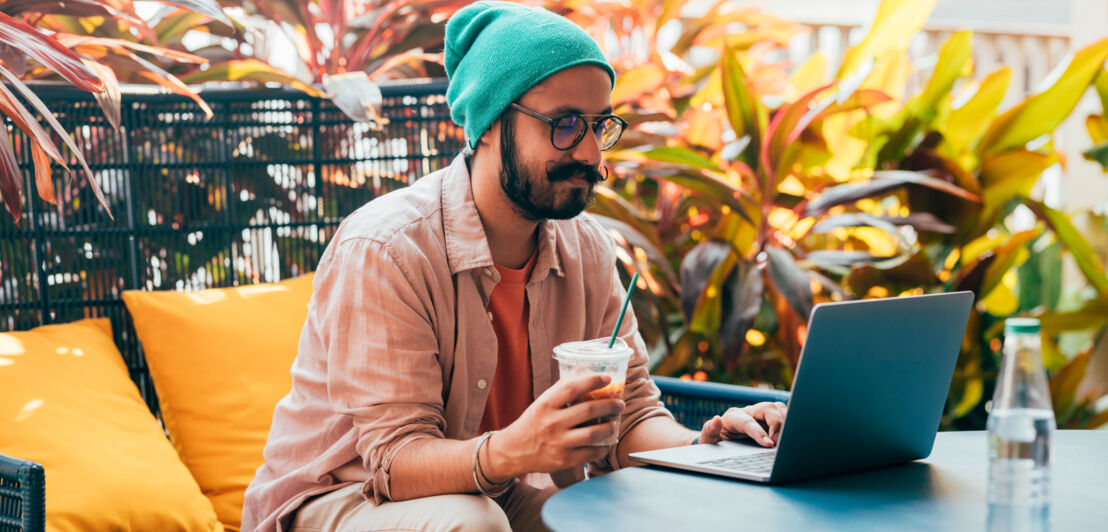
point(641, 395)
point(376, 328)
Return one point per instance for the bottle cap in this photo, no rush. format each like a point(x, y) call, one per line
point(1021, 325)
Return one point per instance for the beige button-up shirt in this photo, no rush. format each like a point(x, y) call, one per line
point(398, 345)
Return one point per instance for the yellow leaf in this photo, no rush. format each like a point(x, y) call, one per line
point(1021, 163)
point(890, 76)
point(892, 29)
point(1002, 301)
point(954, 56)
point(1042, 113)
point(812, 74)
point(705, 128)
point(1098, 128)
point(636, 82)
point(1012, 254)
point(966, 122)
point(711, 93)
point(877, 242)
point(972, 392)
point(975, 248)
point(1009, 175)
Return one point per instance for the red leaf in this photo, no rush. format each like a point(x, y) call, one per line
point(11, 180)
point(42, 174)
point(48, 51)
point(22, 119)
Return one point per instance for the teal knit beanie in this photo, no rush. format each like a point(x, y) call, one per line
point(496, 51)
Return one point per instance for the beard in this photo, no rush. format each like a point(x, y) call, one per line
point(536, 197)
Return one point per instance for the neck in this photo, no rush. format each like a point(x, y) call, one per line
point(512, 238)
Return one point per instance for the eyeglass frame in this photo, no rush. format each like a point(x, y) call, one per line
point(553, 123)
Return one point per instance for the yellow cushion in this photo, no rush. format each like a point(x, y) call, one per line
point(220, 360)
point(67, 402)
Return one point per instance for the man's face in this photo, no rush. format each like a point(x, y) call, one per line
point(542, 181)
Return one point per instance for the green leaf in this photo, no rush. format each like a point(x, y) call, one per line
point(745, 111)
point(790, 280)
point(954, 57)
point(1064, 384)
point(1073, 241)
point(921, 111)
point(1091, 316)
point(1042, 113)
point(1098, 154)
point(712, 188)
point(1006, 257)
point(685, 156)
point(251, 70)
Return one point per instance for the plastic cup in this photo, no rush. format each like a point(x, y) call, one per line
point(591, 357)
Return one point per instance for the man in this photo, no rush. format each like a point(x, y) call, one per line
point(424, 391)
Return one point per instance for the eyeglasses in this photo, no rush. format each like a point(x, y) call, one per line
point(567, 131)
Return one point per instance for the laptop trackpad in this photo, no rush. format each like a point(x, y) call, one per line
point(704, 451)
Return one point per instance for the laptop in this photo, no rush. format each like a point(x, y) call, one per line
point(868, 392)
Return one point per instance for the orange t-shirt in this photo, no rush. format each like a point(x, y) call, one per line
point(511, 388)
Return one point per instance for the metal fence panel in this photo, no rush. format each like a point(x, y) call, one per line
point(252, 194)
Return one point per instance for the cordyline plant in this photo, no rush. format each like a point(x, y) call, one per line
point(766, 202)
point(341, 46)
point(89, 44)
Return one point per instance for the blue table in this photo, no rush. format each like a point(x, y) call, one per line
point(945, 491)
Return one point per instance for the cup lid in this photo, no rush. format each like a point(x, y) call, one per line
point(593, 351)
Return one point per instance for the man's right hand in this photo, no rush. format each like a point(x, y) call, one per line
point(548, 437)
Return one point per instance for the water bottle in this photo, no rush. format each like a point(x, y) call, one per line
point(1020, 425)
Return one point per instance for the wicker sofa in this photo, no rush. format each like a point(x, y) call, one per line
point(252, 194)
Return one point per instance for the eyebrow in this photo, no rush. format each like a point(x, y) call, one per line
point(569, 109)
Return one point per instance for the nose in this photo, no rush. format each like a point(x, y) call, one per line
point(588, 150)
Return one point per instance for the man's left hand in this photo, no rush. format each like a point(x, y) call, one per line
point(760, 422)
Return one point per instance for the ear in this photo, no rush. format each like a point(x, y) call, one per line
point(490, 139)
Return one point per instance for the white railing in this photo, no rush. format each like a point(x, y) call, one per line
point(1030, 51)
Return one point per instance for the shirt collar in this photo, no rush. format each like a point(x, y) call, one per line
point(467, 247)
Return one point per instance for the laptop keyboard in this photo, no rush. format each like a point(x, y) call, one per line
point(751, 463)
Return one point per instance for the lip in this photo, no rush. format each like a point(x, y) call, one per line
point(578, 181)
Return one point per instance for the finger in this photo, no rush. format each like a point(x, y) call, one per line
point(783, 411)
point(591, 410)
point(739, 421)
point(568, 391)
point(710, 433)
point(588, 453)
point(774, 421)
point(591, 435)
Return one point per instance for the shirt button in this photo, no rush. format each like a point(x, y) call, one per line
point(490, 316)
point(482, 384)
point(488, 271)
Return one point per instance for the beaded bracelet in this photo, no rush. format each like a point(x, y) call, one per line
point(478, 475)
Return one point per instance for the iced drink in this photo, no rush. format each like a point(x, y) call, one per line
point(590, 357)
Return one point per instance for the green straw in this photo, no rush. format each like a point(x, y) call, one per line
point(626, 300)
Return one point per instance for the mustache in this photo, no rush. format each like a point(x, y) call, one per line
point(569, 170)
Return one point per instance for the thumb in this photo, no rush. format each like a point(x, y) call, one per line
point(711, 431)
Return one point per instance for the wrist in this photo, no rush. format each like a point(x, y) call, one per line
point(497, 465)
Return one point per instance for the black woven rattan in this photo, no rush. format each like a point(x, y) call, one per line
point(22, 496)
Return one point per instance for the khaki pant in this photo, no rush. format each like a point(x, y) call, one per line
point(346, 510)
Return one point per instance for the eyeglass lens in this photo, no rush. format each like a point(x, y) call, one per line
point(568, 131)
